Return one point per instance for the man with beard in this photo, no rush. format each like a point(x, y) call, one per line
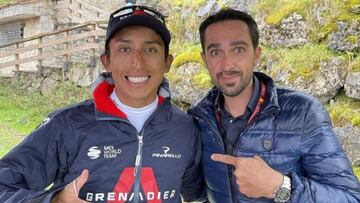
point(260, 142)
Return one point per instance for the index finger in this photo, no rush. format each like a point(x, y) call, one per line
point(223, 158)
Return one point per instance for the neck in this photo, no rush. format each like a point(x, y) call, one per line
point(135, 102)
point(236, 105)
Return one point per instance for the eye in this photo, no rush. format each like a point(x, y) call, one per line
point(239, 49)
point(151, 50)
point(215, 52)
point(124, 49)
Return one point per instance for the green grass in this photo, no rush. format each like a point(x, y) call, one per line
point(4, 2)
point(336, 10)
point(8, 139)
point(23, 110)
point(357, 172)
point(345, 110)
point(355, 65)
point(192, 53)
point(301, 62)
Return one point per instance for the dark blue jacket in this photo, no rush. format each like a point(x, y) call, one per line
point(293, 134)
point(95, 135)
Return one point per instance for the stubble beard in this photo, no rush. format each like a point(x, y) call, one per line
point(233, 89)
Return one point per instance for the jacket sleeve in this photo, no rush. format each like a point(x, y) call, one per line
point(30, 167)
point(327, 176)
point(193, 185)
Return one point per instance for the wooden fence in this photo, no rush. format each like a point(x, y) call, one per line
point(60, 43)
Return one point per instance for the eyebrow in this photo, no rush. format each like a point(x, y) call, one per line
point(241, 42)
point(234, 43)
point(146, 42)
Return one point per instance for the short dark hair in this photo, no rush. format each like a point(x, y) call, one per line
point(230, 14)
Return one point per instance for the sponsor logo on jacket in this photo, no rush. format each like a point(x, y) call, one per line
point(108, 152)
point(165, 154)
point(125, 196)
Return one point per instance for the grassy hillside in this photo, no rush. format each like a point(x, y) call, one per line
point(21, 111)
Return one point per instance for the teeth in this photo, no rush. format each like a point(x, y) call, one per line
point(138, 79)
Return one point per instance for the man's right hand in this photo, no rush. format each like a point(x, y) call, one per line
point(70, 193)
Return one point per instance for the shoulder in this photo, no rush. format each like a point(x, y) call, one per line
point(76, 112)
point(179, 114)
point(290, 98)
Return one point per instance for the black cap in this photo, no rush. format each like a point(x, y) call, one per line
point(138, 15)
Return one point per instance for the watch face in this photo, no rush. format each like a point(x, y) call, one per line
point(282, 195)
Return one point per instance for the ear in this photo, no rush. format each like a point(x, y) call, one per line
point(168, 61)
point(257, 55)
point(203, 57)
point(105, 60)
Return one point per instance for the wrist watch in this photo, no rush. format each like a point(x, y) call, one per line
point(282, 193)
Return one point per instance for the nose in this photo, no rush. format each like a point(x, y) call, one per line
point(136, 60)
point(227, 61)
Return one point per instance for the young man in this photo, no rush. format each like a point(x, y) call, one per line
point(127, 144)
point(279, 143)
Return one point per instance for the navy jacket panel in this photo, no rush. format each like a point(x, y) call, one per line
point(293, 134)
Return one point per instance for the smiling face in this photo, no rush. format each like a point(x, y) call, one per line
point(230, 56)
point(138, 64)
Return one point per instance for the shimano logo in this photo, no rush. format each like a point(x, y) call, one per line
point(166, 149)
point(109, 152)
point(94, 152)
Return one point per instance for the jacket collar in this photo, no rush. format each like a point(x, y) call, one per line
point(206, 105)
point(105, 108)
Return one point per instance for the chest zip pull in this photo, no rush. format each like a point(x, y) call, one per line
point(139, 154)
point(137, 170)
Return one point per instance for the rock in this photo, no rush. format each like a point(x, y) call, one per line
point(318, 12)
point(352, 85)
point(47, 85)
point(243, 5)
point(76, 74)
point(83, 76)
point(346, 38)
point(184, 89)
point(326, 83)
point(349, 137)
point(89, 77)
point(292, 32)
point(208, 9)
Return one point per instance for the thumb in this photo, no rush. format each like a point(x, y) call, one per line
point(226, 159)
point(81, 180)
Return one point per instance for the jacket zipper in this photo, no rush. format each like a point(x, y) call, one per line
point(137, 169)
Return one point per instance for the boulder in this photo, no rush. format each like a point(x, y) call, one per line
point(292, 32)
point(349, 137)
point(183, 88)
point(346, 38)
point(352, 85)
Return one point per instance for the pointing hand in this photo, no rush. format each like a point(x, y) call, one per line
point(254, 177)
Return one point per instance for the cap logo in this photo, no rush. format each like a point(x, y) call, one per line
point(139, 12)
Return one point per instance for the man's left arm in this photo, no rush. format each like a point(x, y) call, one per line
point(328, 174)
